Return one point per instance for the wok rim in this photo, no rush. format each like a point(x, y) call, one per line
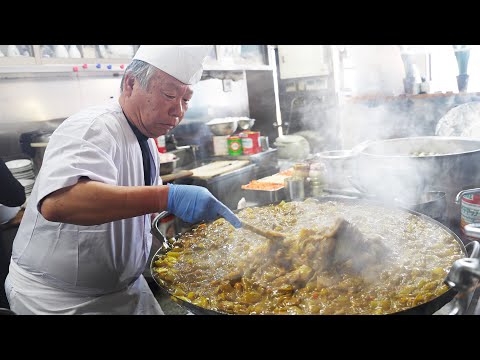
point(427, 308)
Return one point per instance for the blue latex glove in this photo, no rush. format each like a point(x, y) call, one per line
point(193, 203)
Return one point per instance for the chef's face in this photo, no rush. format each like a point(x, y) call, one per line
point(162, 106)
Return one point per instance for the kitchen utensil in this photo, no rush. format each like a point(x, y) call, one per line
point(222, 126)
point(295, 188)
point(415, 165)
point(216, 168)
point(338, 164)
point(463, 277)
point(293, 147)
point(261, 197)
point(351, 246)
point(428, 307)
point(269, 234)
point(245, 123)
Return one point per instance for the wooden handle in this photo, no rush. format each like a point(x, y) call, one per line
point(272, 235)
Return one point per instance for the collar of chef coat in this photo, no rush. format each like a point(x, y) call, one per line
point(148, 163)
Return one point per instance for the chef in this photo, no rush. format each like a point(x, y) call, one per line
point(85, 237)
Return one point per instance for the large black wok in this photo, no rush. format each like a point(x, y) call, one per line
point(423, 309)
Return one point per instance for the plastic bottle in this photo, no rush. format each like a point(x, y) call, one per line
point(161, 144)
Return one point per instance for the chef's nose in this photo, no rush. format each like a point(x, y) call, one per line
point(177, 109)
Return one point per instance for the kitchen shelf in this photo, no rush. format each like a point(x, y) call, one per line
point(32, 66)
point(42, 71)
point(235, 67)
point(57, 61)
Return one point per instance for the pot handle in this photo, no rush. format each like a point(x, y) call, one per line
point(357, 186)
point(472, 230)
point(475, 245)
point(360, 147)
point(155, 231)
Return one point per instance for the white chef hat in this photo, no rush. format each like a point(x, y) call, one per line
point(183, 62)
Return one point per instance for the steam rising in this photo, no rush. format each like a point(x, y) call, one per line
point(235, 270)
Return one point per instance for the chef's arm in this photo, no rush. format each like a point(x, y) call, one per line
point(91, 202)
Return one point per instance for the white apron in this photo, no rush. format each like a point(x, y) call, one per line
point(29, 296)
point(63, 268)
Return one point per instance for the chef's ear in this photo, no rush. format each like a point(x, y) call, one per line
point(128, 84)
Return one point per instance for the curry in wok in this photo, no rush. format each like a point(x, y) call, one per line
point(337, 258)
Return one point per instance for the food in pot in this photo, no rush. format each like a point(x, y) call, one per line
point(389, 260)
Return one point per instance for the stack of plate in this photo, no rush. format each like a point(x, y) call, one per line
point(22, 170)
point(28, 185)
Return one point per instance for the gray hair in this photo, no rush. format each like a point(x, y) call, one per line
point(141, 70)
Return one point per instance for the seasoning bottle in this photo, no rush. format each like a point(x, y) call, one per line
point(317, 174)
point(298, 184)
point(301, 170)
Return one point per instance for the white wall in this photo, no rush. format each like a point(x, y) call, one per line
point(40, 99)
point(377, 69)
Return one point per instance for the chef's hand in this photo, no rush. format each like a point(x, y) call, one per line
point(193, 203)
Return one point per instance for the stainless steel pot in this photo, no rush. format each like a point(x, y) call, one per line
point(430, 203)
point(408, 167)
point(338, 167)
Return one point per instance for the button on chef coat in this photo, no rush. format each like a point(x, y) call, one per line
point(97, 143)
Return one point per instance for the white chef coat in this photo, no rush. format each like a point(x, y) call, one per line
point(65, 268)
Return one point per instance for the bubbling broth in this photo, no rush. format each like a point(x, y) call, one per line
point(235, 271)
